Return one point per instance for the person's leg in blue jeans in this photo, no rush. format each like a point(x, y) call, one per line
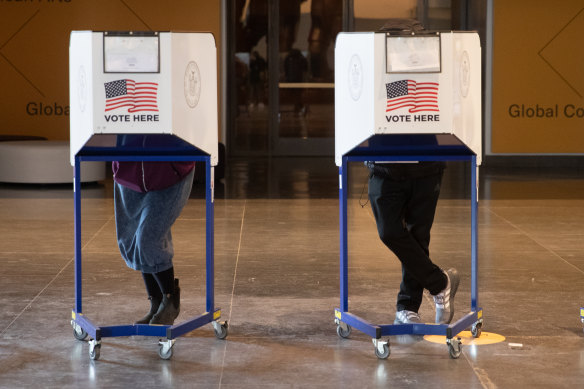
point(143, 225)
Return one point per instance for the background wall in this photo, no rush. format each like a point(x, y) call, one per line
point(538, 77)
point(370, 15)
point(34, 50)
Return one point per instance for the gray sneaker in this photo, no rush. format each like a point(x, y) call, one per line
point(445, 299)
point(406, 317)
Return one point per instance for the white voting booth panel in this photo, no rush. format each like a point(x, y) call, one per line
point(158, 83)
point(412, 84)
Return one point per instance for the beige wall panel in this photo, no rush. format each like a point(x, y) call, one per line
point(538, 77)
point(34, 50)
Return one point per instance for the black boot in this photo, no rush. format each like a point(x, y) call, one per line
point(154, 306)
point(169, 308)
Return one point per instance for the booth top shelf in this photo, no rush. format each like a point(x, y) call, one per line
point(118, 147)
point(410, 85)
point(407, 147)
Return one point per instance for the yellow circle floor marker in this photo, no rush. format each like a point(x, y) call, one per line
point(467, 338)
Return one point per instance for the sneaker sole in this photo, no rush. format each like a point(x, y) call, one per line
point(455, 281)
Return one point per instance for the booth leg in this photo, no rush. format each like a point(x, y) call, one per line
point(210, 235)
point(476, 328)
point(343, 329)
point(474, 234)
point(77, 226)
point(343, 249)
point(220, 328)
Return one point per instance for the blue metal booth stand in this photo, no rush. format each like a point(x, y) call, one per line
point(421, 147)
point(140, 96)
point(405, 96)
point(169, 148)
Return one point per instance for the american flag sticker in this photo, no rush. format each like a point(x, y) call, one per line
point(135, 96)
point(417, 96)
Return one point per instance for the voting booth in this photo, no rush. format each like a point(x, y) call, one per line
point(407, 97)
point(143, 96)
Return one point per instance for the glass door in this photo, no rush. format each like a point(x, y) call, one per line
point(280, 81)
point(282, 76)
point(304, 123)
point(247, 106)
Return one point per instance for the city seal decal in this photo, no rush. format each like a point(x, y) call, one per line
point(81, 88)
point(464, 74)
point(355, 77)
point(192, 84)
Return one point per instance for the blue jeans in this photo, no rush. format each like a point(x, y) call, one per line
point(143, 223)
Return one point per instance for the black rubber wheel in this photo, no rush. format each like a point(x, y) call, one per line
point(344, 333)
point(80, 335)
point(453, 350)
point(476, 330)
point(384, 354)
point(222, 332)
point(95, 353)
point(164, 355)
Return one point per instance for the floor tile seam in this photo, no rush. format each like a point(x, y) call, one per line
point(543, 246)
point(519, 229)
point(481, 374)
point(233, 287)
point(36, 297)
point(539, 337)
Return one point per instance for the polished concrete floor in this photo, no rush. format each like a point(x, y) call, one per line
point(276, 274)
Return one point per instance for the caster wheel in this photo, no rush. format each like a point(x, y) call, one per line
point(94, 352)
point(476, 330)
point(165, 348)
point(384, 354)
point(164, 352)
point(221, 330)
point(342, 332)
point(79, 333)
point(454, 348)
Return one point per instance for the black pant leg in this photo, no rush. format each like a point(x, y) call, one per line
point(421, 209)
point(391, 201)
point(152, 287)
point(410, 294)
point(165, 280)
point(419, 218)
